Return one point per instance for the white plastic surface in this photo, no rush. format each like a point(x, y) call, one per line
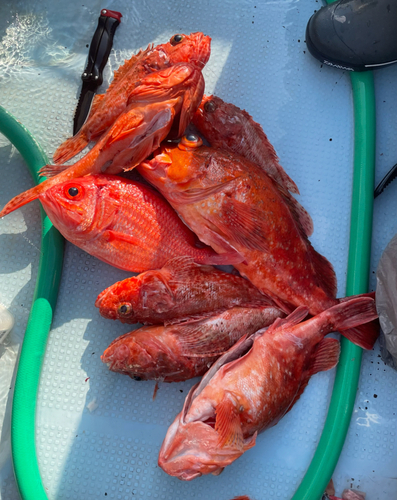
point(98, 433)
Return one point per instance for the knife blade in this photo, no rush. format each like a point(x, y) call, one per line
point(98, 54)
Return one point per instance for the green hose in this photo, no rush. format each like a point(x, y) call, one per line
point(344, 392)
point(26, 468)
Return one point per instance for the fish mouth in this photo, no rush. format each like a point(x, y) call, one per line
point(104, 304)
point(160, 156)
point(59, 210)
point(191, 450)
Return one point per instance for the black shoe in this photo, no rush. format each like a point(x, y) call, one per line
point(354, 35)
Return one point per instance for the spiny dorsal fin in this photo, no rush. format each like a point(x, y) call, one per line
point(323, 268)
point(182, 268)
point(120, 72)
point(292, 319)
point(95, 103)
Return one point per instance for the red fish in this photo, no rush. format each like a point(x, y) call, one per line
point(123, 223)
point(158, 103)
point(228, 127)
point(175, 353)
point(244, 394)
point(180, 291)
point(231, 203)
point(193, 48)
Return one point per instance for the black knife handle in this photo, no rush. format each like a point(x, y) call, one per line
point(100, 47)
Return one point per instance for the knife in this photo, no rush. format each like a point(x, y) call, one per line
point(387, 179)
point(99, 51)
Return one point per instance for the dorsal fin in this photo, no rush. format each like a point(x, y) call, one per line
point(95, 103)
point(120, 72)
point(181, 268)
point(324, 270)
point(292, 319)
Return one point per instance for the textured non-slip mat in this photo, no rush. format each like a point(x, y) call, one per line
point(99, 433)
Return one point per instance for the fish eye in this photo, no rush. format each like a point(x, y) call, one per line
point(210, 106)
point(190, 141)
point(124, 309)
point(176, 39)
point(73, 191)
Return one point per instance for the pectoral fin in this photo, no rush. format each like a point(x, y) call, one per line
point(113, 236)
point(227, 422)
point(198, 339)
point(241, 225)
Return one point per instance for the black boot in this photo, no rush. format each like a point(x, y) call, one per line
point(355, 35)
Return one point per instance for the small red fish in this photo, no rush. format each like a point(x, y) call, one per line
point(180, 291)
point(193, 48)
point(228, 127)
point(175, 353)
point(123, 223)
point(244, 393)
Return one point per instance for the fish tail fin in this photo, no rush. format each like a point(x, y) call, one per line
point(71, 147)
point(33, 193)
point(22, 199)
point(364, 336)
point(356, 319)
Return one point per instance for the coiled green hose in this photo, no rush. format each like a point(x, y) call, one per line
point(26, 468)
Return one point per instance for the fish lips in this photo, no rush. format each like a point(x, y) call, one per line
point(191, 450)
point(60, 210)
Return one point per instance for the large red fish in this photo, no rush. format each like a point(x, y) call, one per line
point(160, 103)
point(123, 223)
point(175, 353)
point(193, 48)
point(228, 127)
point(243, 394)
point(230, 202)
point(179, 291)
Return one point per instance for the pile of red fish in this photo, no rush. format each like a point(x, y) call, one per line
point(256, 335)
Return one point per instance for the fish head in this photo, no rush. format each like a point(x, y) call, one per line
point(177, 165)
point(191, 449)
point(218, 120)
point(72, 206)
point(194, 48)
point(118, 300)
point(131, 353)
point(137, 298)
